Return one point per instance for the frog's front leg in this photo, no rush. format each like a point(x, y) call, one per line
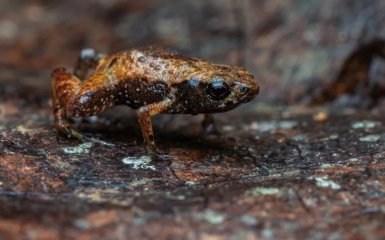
point(144, 117)
point(208, 125)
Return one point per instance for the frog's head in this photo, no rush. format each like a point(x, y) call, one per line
point(220, 89)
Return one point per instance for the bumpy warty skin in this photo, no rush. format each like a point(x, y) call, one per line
point(142, 76)
point(151, 80)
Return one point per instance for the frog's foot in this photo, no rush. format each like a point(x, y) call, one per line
point(212, 130)
point(209, 126)
point(69, 132)
point(153, 151)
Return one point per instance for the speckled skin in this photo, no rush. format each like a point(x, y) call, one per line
point(150, 80)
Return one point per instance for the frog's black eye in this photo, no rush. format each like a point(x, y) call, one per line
point(217, 90)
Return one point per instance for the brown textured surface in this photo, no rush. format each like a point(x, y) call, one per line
point(274, 172)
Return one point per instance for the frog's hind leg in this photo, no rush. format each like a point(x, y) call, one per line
point(72, 97)
point(88, 60)
point(63, 86)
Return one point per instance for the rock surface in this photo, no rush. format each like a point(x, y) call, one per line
point(274, 172)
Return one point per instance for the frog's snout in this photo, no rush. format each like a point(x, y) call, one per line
point(254, 89)
point(248, 92)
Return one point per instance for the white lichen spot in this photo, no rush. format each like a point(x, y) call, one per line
point(353, 160)
point(365, 124)
point(96, 195)
point(267, 233)
point(101, 142)
point(142, 181)
point(190, 183)
point(175, 197)
point(331, 137)
point(271, 125)
point(142, 162)
point(260, 191)
point(83, 148)
point(228, 128)
point(326, 165)
point(212, 217)
point(299, 137)
point(249, 220)
point(370, 138)
point(81, 224)
point(324, 182)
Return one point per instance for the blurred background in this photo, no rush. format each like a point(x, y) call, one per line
point(288, 45)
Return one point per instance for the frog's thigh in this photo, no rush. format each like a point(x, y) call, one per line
point(80, 98)
point(144, 117)
point(63, 85)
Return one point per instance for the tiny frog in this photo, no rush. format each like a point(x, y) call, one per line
point(150, 80)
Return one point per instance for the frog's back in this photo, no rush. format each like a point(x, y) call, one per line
point(153, 64)
point(158, 64)
point(165, 54)
point(146, 75)
point(136, 77)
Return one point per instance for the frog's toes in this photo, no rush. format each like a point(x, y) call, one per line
point(70, 133)
point(75, 135)
point(211, 130)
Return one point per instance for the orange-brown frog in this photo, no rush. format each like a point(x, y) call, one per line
point(151, 80)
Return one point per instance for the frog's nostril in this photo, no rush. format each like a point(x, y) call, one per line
point(243, 90)
point(249, 93)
